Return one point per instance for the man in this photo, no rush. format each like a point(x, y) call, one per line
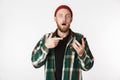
point(63, 52)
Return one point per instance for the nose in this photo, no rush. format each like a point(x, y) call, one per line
point(63, 18)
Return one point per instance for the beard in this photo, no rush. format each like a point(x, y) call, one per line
point(63, 28)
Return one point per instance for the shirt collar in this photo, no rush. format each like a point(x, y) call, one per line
point(71, 33)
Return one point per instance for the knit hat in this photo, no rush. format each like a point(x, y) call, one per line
point(61, 7)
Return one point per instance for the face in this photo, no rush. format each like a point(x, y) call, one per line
point(63, 20)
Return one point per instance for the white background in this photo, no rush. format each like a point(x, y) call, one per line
point(23, 23)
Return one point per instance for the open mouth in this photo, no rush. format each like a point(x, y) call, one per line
point(64, 24)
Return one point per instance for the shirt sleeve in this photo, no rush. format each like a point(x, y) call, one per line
point(39, 53)
point(86, 60)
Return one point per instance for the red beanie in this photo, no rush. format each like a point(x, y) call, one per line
point(61, 7)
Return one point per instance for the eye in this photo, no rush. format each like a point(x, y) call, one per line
point(68, 16)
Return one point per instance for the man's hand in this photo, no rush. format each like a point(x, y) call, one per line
point(52, 42)
point(79, 47)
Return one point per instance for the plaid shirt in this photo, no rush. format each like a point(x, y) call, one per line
point(72, 63)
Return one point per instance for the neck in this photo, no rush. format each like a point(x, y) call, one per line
point(62, 34)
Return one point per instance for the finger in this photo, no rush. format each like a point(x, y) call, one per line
point(75, 46)
point(77, 43)
point(51, 34)
point(58, 38)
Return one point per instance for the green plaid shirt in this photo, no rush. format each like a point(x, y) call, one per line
point(73, 64)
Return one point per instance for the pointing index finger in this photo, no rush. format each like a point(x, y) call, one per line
point(58, 38)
